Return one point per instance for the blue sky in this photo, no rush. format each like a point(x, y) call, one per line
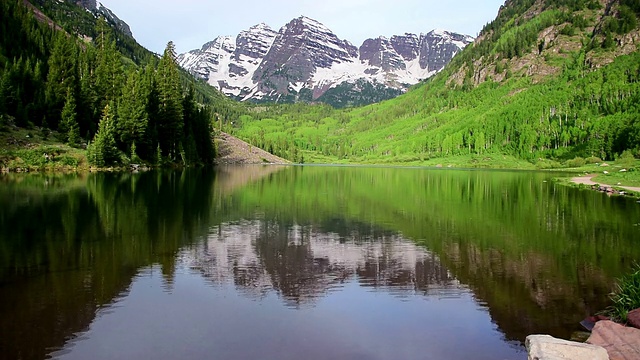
point(191, 23)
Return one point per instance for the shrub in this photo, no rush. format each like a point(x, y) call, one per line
point(548, 164)
point(67, 160)
point(626, 297)
point(626, 159)
point(593, 160)
point(576, 162)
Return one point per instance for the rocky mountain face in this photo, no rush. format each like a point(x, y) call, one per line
point(305, 61)
point(88, 4)
point(117, 23)
point(98, 8)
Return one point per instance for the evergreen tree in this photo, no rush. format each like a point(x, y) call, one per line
point(148, 146)
point(190, 112)
point(132, 112)
point(4, 91)
point(62, 76)
point(68, 127)
point(170, 122)
point(109, 69)
point(103, 151)
point(88, 102)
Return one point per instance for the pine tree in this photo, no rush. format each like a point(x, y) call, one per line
point(147, 147)
point(132, 113)
point(189, 117)
point(87, 106)
point(62, 76)
point(103, 151)
point(170, 122)
point(68, 127)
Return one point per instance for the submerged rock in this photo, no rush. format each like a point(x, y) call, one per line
point(545, 347)
point(589, 322)
point(621, 342)
point(580, 336)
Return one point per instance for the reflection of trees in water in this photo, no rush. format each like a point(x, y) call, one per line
point(303, 263)
point(66, 254)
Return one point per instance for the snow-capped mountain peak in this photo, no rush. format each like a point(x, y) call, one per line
point(304, 60)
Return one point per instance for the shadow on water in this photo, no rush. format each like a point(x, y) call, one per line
point(537, 257)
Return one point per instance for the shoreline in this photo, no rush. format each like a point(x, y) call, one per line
point(587, 180)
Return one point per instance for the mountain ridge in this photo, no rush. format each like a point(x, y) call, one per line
point(305, 59)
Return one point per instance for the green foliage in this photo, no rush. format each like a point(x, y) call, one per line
point(132, 117)
point(593, 160)
point(68, 128)
point(627, 20)
point(170, 117)
point(626, 159)
point(519, 40)
point(41, 157)
point(576, 162)
point(62, 76)
point(626, 297)
point(103, 151)
point(359, 93)
point(60, 81)
point(579, 114)
point(582, 111)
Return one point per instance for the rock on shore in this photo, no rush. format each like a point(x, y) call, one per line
point(546, 347)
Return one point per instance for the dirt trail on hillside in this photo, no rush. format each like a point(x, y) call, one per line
point(233, 151)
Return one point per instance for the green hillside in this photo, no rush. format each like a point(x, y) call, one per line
point(545, 80)
point(546, 83)
point(70, 76)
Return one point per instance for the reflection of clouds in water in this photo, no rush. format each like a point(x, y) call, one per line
point(302, 263)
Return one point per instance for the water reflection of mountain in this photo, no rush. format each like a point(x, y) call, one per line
point(539, 257)
point(303, 263)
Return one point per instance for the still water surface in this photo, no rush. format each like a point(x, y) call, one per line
point(302, 263)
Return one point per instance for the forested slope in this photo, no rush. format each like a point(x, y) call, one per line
point(546, 79)
point(67, 70)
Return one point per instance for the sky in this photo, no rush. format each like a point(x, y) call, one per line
point(191, 23)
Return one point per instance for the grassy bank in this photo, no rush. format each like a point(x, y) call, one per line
point(626, 297)
point(34, 149)
point(38, 149)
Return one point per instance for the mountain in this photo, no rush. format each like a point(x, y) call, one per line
point(65, 12)
point(551, 82)
point(306, 61)
point(113, 19)
point(99, 9)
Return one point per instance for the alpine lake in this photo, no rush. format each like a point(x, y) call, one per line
point(303, 262)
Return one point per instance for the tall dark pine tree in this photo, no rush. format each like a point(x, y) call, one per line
point(170, 104)
point(197, 141)
point(190, 112)
point(88, 102)
point(109, 69)
point(132, 113)
point(69, 129)
point(147, 148)
point(62, 76)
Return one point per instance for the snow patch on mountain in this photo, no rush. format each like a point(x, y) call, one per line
point(261, 63)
